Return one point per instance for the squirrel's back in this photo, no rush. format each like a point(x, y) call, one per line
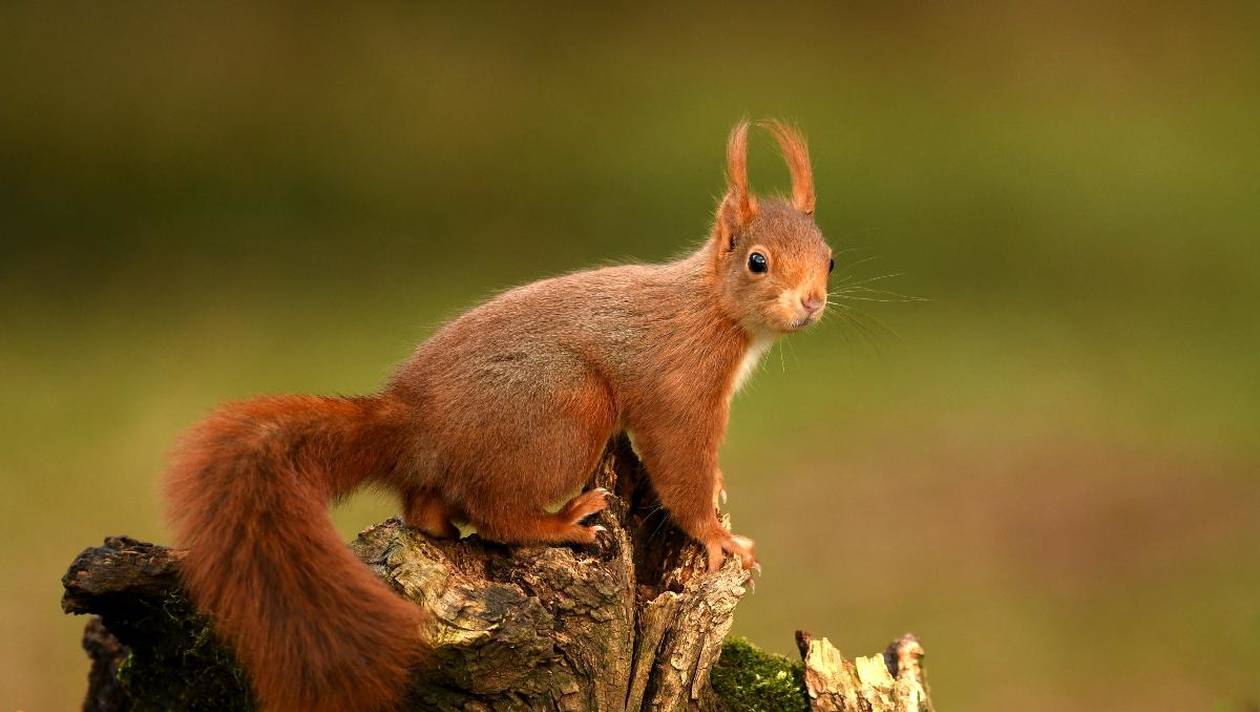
point(617, 321)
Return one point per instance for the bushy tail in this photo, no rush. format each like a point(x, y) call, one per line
point(248, 493)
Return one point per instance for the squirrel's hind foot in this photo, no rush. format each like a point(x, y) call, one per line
point(562, 527)
point(426, 511)
point(584, 505)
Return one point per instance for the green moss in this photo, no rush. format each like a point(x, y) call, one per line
point(748, 679)
point(176, 663)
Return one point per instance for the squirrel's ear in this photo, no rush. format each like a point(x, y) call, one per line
point(738, 207)
point(796, 155)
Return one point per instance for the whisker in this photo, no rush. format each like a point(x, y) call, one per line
point(855, 289)
point(882, 300)
point(848, 269)
point(872, 320)
point(847, 250)
point(857, 327)
point(843, 330)
point(876, 278)
point(664, 518)
point(857, 333)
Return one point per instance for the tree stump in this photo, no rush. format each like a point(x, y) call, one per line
point(634, 622)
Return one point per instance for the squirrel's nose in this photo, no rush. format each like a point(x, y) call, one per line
point(812, 303)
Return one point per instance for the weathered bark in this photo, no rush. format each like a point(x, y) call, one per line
point(633, 622)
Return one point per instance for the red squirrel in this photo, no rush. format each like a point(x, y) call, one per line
point(501, 413)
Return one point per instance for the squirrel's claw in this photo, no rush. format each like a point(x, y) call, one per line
point(727, 543)
point(742, 547)
point(719, 490)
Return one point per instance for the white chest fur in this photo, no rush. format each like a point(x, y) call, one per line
point(756, 350)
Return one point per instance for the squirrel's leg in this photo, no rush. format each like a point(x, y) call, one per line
point(564, 526)
point(686, 479)
point(425, 510)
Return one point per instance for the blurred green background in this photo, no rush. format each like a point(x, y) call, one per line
point(1049, 472)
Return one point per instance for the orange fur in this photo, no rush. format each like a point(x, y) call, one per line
point(501, 413)
point(249, 492)
point(796, 155)
point(738, 206)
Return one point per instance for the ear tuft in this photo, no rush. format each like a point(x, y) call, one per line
point(738, 206)
point(737, 172)
point(796, 154)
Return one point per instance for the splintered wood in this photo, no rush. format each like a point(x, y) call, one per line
point(888, 682)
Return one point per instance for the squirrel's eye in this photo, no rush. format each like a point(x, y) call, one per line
point(757, 263)
point(832, 266)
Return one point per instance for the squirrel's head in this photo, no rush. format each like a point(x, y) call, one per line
point(770, 258)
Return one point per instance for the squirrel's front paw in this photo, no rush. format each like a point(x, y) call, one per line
point(728, 543)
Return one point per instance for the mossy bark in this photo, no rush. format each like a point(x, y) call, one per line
point(634, 622)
